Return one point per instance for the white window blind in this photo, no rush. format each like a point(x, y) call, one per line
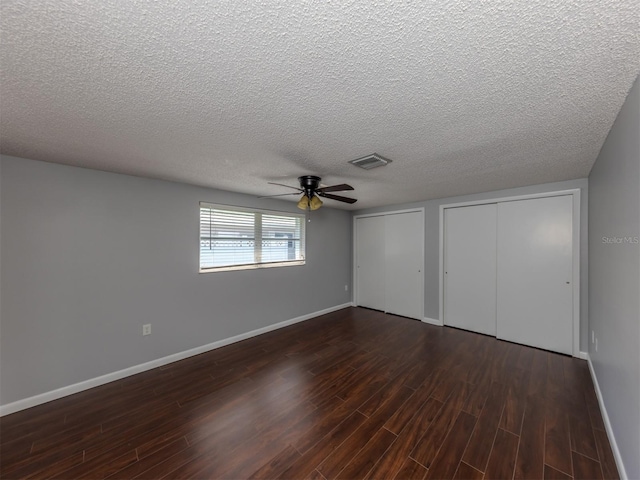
point(237, 238)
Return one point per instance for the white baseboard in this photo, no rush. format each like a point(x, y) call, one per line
point(432, 321)
point(110, 377)
point(583, 355)
point(607, 423)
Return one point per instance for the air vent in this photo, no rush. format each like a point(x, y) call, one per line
point(370, 161)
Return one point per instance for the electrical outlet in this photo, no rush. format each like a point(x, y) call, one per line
point(346, 288)
point(146, 329)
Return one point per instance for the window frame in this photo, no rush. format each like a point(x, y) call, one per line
point(257, 212)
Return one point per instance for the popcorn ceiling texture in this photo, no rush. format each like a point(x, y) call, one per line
point(464, 96)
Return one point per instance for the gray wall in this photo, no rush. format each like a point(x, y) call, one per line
point(614, 278)
point(88, 257)
point(432, 241)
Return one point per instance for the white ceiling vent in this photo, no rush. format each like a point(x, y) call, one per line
point(370, 161)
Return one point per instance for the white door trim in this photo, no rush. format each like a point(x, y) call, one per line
point(575, 192)
point(354, 276)
point(394, 212)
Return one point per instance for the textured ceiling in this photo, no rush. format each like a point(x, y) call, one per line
point(464, 96)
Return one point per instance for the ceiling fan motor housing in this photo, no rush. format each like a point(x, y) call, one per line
point(309, 183)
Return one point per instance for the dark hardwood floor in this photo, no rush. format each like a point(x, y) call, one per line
point(352, 394)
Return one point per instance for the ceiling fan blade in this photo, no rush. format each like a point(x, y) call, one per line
point(280, 195)
point(335, 188)
point(337, 197)
point(288, 186)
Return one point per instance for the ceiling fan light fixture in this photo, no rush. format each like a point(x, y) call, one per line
point(312, 191)
point(303, 204)
point(315, 203)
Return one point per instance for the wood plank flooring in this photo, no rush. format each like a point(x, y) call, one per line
point(352, 394)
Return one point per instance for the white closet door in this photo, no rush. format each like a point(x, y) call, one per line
point(470, 268)
point(404, 240)
point(370, 262)
point(535, 259)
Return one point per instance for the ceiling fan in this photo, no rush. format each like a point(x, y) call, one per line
point(311, 191)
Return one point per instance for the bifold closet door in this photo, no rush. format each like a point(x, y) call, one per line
point(470, 268)
point(370, 262)
point(389, 262)
point(404, 240)
point(535, 271)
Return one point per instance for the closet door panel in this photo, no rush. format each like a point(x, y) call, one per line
point(535, 263)
point(404, 240)
point(370, 262)
point(470, 268)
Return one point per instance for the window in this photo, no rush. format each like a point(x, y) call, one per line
point(235, 238)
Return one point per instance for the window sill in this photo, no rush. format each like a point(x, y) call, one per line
point(253, 266)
